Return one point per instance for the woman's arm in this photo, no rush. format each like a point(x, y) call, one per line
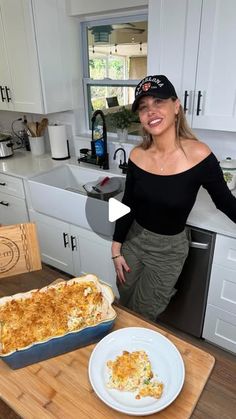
point(124, 223)
point(119, 261)
point(217, 188)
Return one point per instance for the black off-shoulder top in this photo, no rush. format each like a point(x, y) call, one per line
point(162, 203)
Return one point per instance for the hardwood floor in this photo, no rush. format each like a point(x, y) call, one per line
point(218, 400)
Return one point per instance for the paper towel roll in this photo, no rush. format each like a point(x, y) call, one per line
point(58, 141)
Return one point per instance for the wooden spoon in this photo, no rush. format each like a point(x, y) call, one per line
point(32, 128)
point(42, 126)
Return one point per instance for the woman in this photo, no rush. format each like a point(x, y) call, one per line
point(164, 175)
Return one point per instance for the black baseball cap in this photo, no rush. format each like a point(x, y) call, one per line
point(157, 86)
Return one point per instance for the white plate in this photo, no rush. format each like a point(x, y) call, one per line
point(167, 366)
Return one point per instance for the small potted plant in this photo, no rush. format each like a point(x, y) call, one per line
point(121, 120)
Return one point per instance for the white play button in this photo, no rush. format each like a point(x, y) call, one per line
point(116, 209)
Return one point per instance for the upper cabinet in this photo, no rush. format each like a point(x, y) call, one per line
point(192, 42)
point(85, 7)
point(216, 69)
point(34, 65)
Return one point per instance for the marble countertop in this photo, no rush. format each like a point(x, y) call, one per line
point(203, 215)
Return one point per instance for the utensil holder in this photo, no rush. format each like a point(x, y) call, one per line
point(37, 145)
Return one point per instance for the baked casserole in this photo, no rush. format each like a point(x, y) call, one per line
point(53, 311)
point(132, 371)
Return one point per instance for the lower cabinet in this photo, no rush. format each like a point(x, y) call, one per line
point(73, 249)
point(220, 318)
point(13, 209)
point(54, 241)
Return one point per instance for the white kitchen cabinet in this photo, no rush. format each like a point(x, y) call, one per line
point(95, 256)
point(215, 77)
point(34, 68)
point(173, 35)
point(85, 7)
point(192, 42)
point(54, 241)
point(13, 208)
point(220, 317)
point(4, 71)
point(73, 249)
point(220, 328)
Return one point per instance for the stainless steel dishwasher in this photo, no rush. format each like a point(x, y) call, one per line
point(186, 309)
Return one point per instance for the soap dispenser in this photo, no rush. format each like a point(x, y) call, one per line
point(99, 140)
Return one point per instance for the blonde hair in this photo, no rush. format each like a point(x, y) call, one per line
point(182, 130)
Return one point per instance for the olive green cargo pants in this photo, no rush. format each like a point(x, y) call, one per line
point(156, 262)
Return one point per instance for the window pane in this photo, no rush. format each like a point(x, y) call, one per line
point(117, 55)
point(118, 51)
point(97, 66)
point(111, 100)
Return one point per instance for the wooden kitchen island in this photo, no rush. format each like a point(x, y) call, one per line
point(59, 387)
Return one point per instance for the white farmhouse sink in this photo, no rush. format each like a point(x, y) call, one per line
point(59, 193)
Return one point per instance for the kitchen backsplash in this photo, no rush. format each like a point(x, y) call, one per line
point(222, 143)
point(65, 118)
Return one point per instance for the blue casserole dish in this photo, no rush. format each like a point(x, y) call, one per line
point(61, 344)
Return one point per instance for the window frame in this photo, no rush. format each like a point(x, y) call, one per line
point(87, 81)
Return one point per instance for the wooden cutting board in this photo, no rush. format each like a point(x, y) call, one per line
point(60, 387)
point(19, 249)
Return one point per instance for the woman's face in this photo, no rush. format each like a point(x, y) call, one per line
point(157, 115)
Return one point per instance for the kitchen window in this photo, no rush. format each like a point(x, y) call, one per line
point(115, 59)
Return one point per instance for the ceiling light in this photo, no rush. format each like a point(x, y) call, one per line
point(101, 33)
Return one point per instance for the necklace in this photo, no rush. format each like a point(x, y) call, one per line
point(169, 159)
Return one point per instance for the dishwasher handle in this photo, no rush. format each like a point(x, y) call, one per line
point(198, 245)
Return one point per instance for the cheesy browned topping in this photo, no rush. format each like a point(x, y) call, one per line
point(132, 371)
point(49, 313)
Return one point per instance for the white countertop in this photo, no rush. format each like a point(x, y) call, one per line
point(203, 215)
point(23, 164)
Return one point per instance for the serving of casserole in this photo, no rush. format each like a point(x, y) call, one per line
point(46, 322)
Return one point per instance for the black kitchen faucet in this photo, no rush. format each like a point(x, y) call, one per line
point(124, 165)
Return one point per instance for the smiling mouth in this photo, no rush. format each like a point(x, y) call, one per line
point(155, 122)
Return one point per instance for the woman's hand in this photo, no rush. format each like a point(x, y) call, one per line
point(119, 261)
point(120, 266)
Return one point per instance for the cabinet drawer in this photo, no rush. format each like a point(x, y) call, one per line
point(220, 328)
point(11, 185)
point(13, 210)
point(222, 290)
point(225, 252)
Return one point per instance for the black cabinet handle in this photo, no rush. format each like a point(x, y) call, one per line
point(6, 204)
point(2, 183)
point(66, 239)
point(199, 101)
point(73, 243)
point(8, 93)
point(186, 95)
point(2, 96)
